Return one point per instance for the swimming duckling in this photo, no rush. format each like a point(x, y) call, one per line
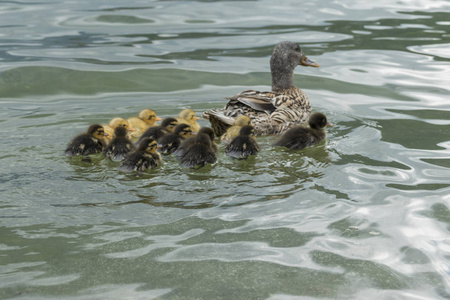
point(187, 116)
point(170, 142)
point(119, 146)
point(185, 144)
point(300, 137)
point(87, 143)
point(233, 131)
point(167, 126)
point(147, 118)
point(144, 157)
point(271, 112)
point(113, 124)
point(199, 153)
point(244, 144)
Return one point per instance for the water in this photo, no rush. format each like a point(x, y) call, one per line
point(363, 216)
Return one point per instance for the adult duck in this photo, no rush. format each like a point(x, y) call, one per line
point(271, 112)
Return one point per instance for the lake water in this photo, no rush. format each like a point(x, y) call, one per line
point(364, 215)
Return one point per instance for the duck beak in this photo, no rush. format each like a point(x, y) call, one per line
point(307, 62)
point(158, 119)
point(131, 129)
point(197, 118)
point(330, 125)
point(105, 134)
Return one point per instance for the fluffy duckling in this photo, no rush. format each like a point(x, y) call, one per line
point(167, 126)
point(144, 157)
point(300, 137)
point(168, 143)
point(113, 124)
point(187, 143)
point(187, 116)
point(87, 143)
point(199, 153)
point(244, 144)
point(233, 131)
point(119, 146)
point(147, 118)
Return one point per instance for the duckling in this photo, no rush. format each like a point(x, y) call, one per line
point(271, 112)
point(147, 118)
point(87, 143)
point(187, 143)
point(113, 124)
point(119, 146)
point(299, 137)
point(167, 126)
point(244, 144)
point(187, 116)
point(233, 131)
point(144, 157)
point(199, 153)
point(168, 143)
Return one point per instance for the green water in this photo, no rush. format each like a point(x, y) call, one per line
point(364, 215)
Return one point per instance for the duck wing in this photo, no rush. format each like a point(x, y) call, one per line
point(258, 101)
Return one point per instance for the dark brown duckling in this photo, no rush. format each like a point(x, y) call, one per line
point(120, 145)
point(199, 153)
point(170, 142)
point(167, 126)
point(244, 144)
point(91, 142)
point(185, 144)
point(144, 157)
point(300, 137)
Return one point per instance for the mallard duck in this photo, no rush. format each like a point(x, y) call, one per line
point(244, 144)
point(144, 157)
point(233, 131)
point(119, 146)
point(87, 143)
point(271, 112)
point(168, 143)
point(187, 143)
point(167, 126)
point(299, 137)
point(147, 118)
point(188, 116)
point(113, 124)
point(199, 153)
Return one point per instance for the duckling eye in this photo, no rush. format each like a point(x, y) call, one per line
point(151, 117)
point(297, 48)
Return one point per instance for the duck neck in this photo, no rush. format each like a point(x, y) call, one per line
point(282, 79)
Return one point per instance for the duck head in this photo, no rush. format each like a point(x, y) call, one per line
point(169, 124)
point(119, 122)
point(188, 115)
point(149, 116)
point(318, 121)
point(247, 130)
point(183, 130)
point(120, 132)
point(97, 131)
point(243, 121)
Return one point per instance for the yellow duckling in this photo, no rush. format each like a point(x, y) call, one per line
point(187, 116)
point(147, 118)
point(113, 124)
point(233, 131)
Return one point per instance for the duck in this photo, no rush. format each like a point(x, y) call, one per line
point(113, 124)
point(233, 131)
point(90, 142)
point(120, 145)
point(244, 144)
point(146, 118)
point(145, 157)
point(188, 116)
point(167, 126)
point(299, 137)
point(187, 143)
point(170, 142)
point(199, 153)
point(271, 112)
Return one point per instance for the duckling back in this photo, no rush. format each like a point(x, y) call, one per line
point(200, 153)
point(119, 146)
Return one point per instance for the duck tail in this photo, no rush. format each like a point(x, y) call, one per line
point(219, 121)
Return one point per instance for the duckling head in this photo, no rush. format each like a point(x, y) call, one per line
point(247, 130)
point(183, 130)
point(169, 124)
point(285, 57)
point(188, 115)
point(97, 131)
point(207, 131)
point(120, 132)
point(149, 116)
point(243, 121)
point(318, 121)
point(148, 145)
point(119, 122)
